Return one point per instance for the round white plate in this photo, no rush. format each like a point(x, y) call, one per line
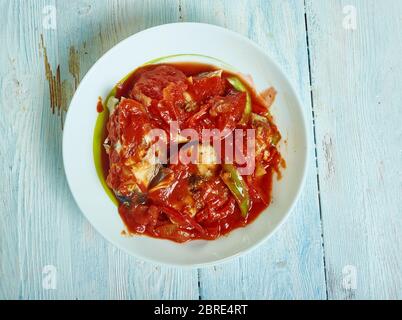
point(178, 39)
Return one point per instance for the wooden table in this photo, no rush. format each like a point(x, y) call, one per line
point(342, 241)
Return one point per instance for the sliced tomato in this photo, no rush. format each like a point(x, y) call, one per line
point(228, 110)
point(222, 113)
point(206, 85)
point(152, 82)
point(161, 90)
point(128, 124)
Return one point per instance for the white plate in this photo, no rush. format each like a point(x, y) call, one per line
point(174, 39)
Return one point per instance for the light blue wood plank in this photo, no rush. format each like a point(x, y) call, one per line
point(357, 76)
point(9, 262)
point(290, 264)
point(33, 142)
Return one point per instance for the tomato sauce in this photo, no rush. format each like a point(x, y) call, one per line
point(177, 201)
point(99, 105)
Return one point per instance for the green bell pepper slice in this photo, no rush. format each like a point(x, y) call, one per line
point(237, 187)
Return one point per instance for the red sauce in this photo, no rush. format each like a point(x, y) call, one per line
point(184, 203)
point(99, 105)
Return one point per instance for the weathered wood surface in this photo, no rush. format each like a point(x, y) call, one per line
point(356, 80)
point(347, 220)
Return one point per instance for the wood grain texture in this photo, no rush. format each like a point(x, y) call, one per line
point(356, 80)
point(29, 135)
point(290, 264)
point(354, 117)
